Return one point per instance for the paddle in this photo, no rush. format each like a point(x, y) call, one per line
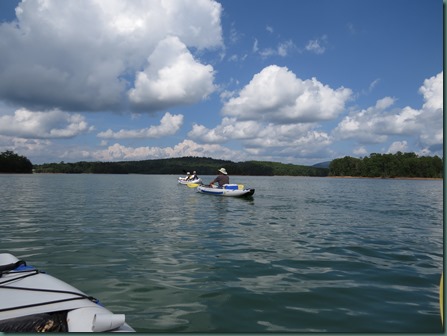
point(193, 185)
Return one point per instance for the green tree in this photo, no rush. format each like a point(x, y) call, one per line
point(11, 162)
point(388, 165)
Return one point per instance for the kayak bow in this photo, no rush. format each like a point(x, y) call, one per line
point(33, 301)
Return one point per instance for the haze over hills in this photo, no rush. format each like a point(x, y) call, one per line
point(322, 164)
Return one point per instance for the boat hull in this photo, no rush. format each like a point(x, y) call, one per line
point(225, 192)
point(182, 180)
point(35, 301)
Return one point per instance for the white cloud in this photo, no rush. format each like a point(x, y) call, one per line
point(285, 47)
point(83, 55)
point(229, 129)
point(398, 146)
point(277, 113)
point(432, 112)
point(185, 148)
point(373, 84)
point(203, 134)
point(43, 125)
point(360, 151)
point(432, 90)
point(276, 94)
point(169, 125)
point(282, 49)
point(255, 46)
point(172, 78)
point(266, 141)
point(384, 103)
point(26, 147)
point(289, 138)
point(317, 46)
point(376, 124)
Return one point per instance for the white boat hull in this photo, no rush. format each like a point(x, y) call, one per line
point(28, 295)
point(183, 180)
point(225, 192)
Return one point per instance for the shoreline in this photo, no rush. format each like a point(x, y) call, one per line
point(390, 178)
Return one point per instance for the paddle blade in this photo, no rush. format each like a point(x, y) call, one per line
point(192, 185)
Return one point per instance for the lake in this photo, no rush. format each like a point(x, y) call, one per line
point(302, 255)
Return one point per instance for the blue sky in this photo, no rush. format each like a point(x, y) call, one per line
point(292, 81)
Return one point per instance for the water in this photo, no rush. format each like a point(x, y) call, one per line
point(303, 255)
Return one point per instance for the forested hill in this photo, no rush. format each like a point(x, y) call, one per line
point(11, 162)
point(376, 165)
point(389, 166)
point(203, 166)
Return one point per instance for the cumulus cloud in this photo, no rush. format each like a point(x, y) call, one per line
point(276, 94)
point(360, 151)
point(83, 55)
point(266, 140)
point(185, 148)
point(229, 129)
point(26, 146)
point(432, 90)
point(432, 111)
point(398, 146)
point(43, 125)
point(277, 112)
point(169, 125)
point(172, 78)
point(376, 124)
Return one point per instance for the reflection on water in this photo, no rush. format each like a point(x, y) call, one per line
point(302, 255)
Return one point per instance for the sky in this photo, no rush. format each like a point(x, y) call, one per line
point(291, 81)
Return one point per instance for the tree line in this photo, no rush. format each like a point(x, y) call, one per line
point(388, 166)
point(11, 162)
point(203, 166)
point(376, 165)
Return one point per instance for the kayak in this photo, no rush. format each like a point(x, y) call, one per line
point(33, 301)
point(228, 190)
point(183, 180)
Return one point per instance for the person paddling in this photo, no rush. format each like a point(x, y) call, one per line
point(193, 176)
point(221, 179)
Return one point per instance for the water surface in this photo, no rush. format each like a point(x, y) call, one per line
point(302, 255)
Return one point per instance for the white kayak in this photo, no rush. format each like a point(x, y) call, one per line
point(183, 180)
point(227, 190)
point(33, 301)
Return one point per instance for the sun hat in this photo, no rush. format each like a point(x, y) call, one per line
point(223, 171)
point(194, 172)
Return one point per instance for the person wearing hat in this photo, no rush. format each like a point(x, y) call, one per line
point(221, 179)
point(193, 176)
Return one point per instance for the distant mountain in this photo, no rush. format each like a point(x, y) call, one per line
point(203, 166)
point(322, 164)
